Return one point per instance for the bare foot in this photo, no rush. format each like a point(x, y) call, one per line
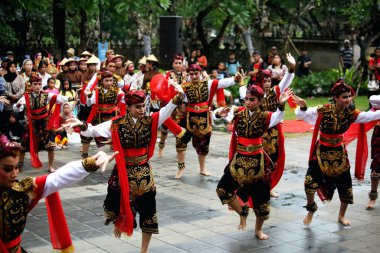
point(261, 235)
point(344, 221)
point(160, 152)
point(371, 204)
point(179, 174)
point(205, 173)
point(51, 170)
point(243, 223)
point(273, 194)
point(308, 219)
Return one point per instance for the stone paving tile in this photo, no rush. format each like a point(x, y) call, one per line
point(355, 244)
point(288, 248)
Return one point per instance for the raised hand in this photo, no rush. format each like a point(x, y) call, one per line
point(102, 159)
point(176, 86)
point(224, 112)
point(72, 122)
point(291, 60)
point(299, 101)
point(285, 96)
point(238, 78)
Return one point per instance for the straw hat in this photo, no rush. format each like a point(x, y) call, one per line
point(82, 59)
point(127, 63)
point(70, 60)
point(63, 62)
point(71, 51)
point(85, 53)
point(93, 60)
point(142, 61)
point(118, 56)
point(151, 58)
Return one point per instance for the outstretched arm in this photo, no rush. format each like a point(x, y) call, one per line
point(304, 113)
point(75, 171)
point(88, 130)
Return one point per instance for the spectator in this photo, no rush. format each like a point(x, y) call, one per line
point(3, 69)
point(67, 91)
point(61, 138)
point(269, 57)
point(37, 60)
point(201, 59)
point(15, 129)
point(346, 57)
point(374, 67)
point(51, 86)
point(304, 62)
point(192, 59)
point(10, 55)
point(221, 71)
point(255, 67)
point(232, 64)
point(278, 69)
point(42, 68)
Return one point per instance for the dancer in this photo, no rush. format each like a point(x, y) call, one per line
point(329, 167)
point(23, 195)
point(375, 155)
point(198, 96)
point(40, 128)
point(134, 136)
point(245, 173)
point(104, 100)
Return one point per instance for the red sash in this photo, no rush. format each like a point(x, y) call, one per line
point(35, 160)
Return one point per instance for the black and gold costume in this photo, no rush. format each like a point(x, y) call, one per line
point(246, 172)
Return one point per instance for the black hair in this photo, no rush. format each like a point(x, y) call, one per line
point(63, 87)
point(42, 63)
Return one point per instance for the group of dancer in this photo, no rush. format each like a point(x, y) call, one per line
point(116, 114)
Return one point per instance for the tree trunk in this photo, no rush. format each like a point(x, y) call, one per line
point(59, 28)
point(83, 29)
point(147, 44)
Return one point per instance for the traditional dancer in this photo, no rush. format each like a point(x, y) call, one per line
point(178, 75)
point(134, 136)
point(198, 96)
point(375, 155)
point(104, 100)
point(246, 173)
point(40, 129)
point(22, 196)
point(273, 138)
point(329, 167)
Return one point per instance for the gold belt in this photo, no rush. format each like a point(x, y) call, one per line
point(136, 159)
point(197, 107)
point(331, 140)
point(250, 148)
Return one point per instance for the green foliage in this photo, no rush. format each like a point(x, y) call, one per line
point(319, 84)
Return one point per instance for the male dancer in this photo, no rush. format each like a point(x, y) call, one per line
point(245, 173)
point(134, 136)
point(329, 167)
point(198, 96)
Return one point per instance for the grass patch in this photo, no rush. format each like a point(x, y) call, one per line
point(360, 101)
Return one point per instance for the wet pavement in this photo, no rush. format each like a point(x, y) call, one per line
point(192, 219)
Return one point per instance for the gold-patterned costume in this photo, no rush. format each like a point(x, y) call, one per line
point(134, 139)
point(245, 172)
point(329, 167)
point(39, 112)
point(197, 120)
point(14, 208)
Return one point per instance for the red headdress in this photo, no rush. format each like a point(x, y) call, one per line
point(134, 97)
point(195, 67)
point(35, 78)
point(108, 61)
point(255, 90)
point(178, 57)
point(340, 86)
point(106, 74)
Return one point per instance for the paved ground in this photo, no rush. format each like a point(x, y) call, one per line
point(191, 218)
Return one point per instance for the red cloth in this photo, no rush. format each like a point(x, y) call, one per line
point(280, 165)
point(35, 160)
point(54, 117)
point(125, 220)
point(160, 88)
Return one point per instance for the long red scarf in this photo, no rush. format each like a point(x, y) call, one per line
point(125, 220)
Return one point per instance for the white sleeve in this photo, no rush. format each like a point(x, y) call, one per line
point(60, 99)
point(65, 176)
point(165, 113)
point(91, 101)
point(375, 101)
point(122, 100)
point(101, 130)
point(364, 117)
point(286, 81)
point(222, 83)
point(242, 92)
point(276, 118)
point(310, 115)
point(120, 83)
point(21, 108)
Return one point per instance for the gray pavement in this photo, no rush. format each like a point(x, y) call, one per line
point(192, 219)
